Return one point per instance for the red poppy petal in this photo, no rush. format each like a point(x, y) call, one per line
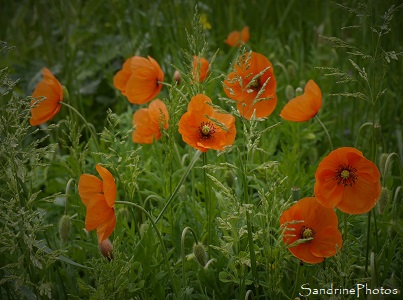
point(89, 186)
point(43, 110)
point(304, 107)
point(326, 242)
point(142, 86)
point(98, 213)
point(109, 186)
point(303, 252)
point(106, 228)
point(158, 113)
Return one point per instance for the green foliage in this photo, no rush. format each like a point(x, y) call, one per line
point(232, 200)
point(24, 263)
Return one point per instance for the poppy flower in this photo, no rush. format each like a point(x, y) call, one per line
point(236, 38)
point(148, 122)
point(140, 79)
point(252, 85)
point(347, 180)
point(43, 110)
point(203, 128)
point(311, 230)
point(200, 68)
point(305, 106)
point(99, 198)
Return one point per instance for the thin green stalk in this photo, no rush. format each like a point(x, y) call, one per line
point(376, 231)
point(164, 251)
point(249, 292)
point(296, 281)
point(190, 166)
point(248, 222)
point(173, 87)
point(183, 251)
point(85, 122)
point(208, 202)
point(345, 229)
point(359, 131)
point(252, 251)
point(326, 131)
point(368, 236)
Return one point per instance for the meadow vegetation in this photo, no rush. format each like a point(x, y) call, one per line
point(208, 201)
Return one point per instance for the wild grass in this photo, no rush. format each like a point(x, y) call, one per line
point(228, 201)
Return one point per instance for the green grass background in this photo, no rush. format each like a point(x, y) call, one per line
point(85, 43)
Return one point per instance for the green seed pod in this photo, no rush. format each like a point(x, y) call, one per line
point(200, 253)
point(183, 192)
point(383, 200)
point(65, 94)
point(289, 92)
point(143, 229)
point(64, 228)
point(230, 178)
point(295, 193)
point(299, 91)
point(382, 163)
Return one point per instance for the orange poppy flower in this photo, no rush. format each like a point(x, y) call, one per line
point(99, 198)
point(347, 180)
point(43, 110)
point(204, 128)
point(236, 38)
point(200, 68)
point(311, 230)
point(148, 122)
point(304, 107)
point(139, 80)
point(253, 73)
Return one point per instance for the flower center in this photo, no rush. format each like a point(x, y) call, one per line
point(345, 175)
point(306, 233)
point(206, 130)
point(255, 83)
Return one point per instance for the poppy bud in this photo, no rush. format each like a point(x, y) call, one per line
point(295, 193)
point(64, 228)
point(143, 229)
point(377, 132)
point(106, 249)
point(183, 192)
point(291, 71)
point(230, 178)
point(388, 166)
point(299, 91)
point(383, 200)
point(65, 94)
point(177, 77)
point(382, 163)
point(200, 253)
point(289, 92)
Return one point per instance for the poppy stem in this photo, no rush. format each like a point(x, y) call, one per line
point(296, 280)
point(326, 131)
point(208, 202)
point(154, 225)
point(85, 121)
point(368, 236)
point(183, 251)
point(190, 166)
point(345, 229)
